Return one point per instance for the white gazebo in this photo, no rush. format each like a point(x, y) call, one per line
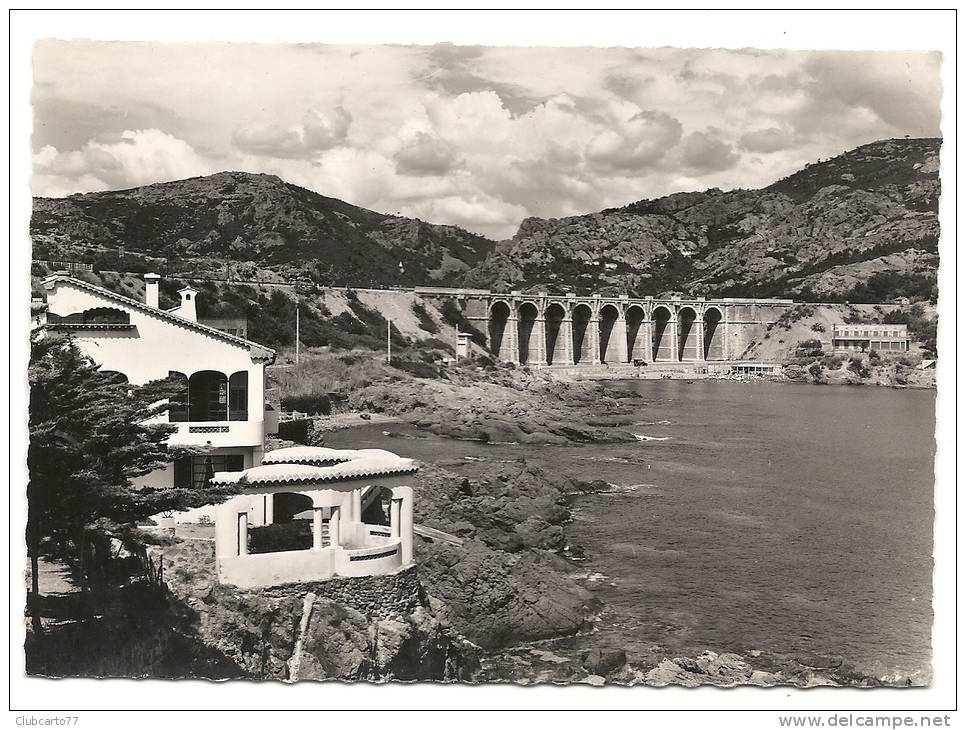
point(336, 485)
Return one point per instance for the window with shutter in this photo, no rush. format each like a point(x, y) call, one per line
point(182, 472)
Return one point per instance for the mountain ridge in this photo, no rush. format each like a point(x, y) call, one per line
point(861, 225)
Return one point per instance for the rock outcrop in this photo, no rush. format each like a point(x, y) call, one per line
point(860, 226)
point(506, 583)
point(258, 219)
point(502, 406)
point(294, 632)
point(764, 670)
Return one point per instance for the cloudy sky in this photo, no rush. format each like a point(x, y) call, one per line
point(471, 136)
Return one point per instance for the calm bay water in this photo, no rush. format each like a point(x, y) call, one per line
point(775, 517)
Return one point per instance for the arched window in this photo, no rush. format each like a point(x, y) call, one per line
point(114, 375)
point(208, 396)
point(178, 403)
point(238, 396)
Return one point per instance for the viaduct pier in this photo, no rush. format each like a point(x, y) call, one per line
point(551, 329)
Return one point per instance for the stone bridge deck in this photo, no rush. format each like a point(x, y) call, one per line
point(552, 329)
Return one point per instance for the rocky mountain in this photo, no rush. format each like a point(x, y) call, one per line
point(238, 216)
point(862, 225)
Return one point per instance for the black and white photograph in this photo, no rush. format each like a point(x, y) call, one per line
point(607, 370)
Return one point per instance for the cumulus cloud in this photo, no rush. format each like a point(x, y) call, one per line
point(640, 141)
point(771, 139)
point(133, 158)
point(897, 88)
point(426, 154)
point(317, 132)
point(704, 152)
point(480, 137)
point(489, 214)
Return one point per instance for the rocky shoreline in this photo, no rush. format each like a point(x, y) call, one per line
point(514, 589)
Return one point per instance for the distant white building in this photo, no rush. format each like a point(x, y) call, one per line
point(863, 337)
point(223, 375)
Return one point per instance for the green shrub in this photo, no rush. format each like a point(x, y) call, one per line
point(375, 324)
point(416, 367)
point(818, 327)
point(453, 315)
point(832, 362)
point(312, 403)
point(815, 370)
point(328, 373)
point(857, 366)
point(435, 343)
point(808, 348)
point(280, 537)
point(425, 321)
point(800, 311)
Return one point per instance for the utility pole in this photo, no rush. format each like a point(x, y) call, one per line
point(296, 330)
point(389, 341)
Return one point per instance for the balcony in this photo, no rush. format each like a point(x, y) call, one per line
point(219, 433)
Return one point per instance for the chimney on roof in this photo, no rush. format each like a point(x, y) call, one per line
point(151, 289)
point(187, 308)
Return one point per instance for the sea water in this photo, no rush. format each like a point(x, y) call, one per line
point(776, 517)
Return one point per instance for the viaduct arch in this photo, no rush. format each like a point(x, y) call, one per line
point(542, 329)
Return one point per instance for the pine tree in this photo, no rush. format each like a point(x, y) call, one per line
point(91, 435)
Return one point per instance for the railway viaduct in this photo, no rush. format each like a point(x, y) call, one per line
point(550, 329)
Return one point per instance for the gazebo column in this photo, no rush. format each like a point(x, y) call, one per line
point(334, 526)
point(406, 527)
point(395, 507)
point(355, 505)
point(269, 509)
point(699, 336)
point(243, 533)
point(317, 528)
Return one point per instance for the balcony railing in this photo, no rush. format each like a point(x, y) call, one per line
point(219, 433)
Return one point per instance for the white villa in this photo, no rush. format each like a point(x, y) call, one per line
point(223, 375)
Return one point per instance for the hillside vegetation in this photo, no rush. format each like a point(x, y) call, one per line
point(862, 226)
point(329, 318)
point(202, 222)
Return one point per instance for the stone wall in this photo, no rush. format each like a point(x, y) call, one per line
point(383, 596)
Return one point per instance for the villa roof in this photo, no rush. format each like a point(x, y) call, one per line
point(256, 349)
point(296, 465)
point(318, 455)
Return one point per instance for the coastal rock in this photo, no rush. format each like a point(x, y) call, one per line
point(728, 670)
point(335, 644)
point(669, 672)
point(290, 632)
point(604, 661)
point(707, 668)
point(501, 406)
point(511, 507)
point(494, 598)
point(536, 532)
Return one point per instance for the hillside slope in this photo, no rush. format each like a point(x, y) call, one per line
point(862, 225)
point(234, 216)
